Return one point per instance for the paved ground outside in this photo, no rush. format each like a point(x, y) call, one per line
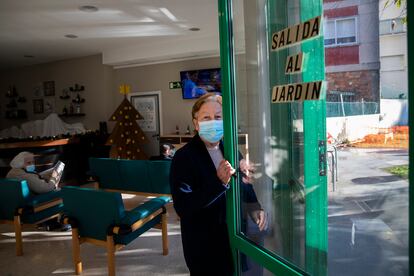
point(368, 214)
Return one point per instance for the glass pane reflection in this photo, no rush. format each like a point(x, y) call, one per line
point(251, 268)
point(270, 135)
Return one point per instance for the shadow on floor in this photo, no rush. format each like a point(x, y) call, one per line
point(375, 179)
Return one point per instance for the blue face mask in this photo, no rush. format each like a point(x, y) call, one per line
point(211, 131)
point(30, 168)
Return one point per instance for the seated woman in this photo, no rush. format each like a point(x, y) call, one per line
point(23, 168)
point(167, 152)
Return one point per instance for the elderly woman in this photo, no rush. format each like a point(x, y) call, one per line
point(199, 178)
point(23, 168)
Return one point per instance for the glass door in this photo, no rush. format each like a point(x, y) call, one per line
point(272, 60)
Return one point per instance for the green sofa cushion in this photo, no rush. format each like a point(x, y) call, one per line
point(42, 198)
point(125, 239)
point(32, 218)
point(144, 210)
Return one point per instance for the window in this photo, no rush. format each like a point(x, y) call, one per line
point(340, 31)
point(392, 63)
point(392, 26)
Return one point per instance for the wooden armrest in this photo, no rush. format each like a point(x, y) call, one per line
point(138, 224)
point(47, 205)
point(141, 222)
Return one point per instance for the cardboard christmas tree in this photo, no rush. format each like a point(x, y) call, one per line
point(126, 137)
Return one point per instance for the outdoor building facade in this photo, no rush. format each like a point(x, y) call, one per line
point(351, 55)
point(393, 51)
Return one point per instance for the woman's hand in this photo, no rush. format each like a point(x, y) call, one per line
point(225, 171)
point(260, 218)
point(53, 178)
point(248, 169)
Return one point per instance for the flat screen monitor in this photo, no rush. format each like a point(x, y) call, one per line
point(196, 83)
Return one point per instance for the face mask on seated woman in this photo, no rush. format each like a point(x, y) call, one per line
point(30, 168)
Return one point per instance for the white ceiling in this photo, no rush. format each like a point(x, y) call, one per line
point(124, 31)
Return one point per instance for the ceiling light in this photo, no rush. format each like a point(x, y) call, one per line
point(194, 29)
point(71, 36)
point(28, 56)
point(88, 8)
point(153, 10)
point(168, 14)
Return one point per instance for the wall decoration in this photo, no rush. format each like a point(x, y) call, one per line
point(15, 107)
point(49, 88)
point(75, 100)
point(38, 106)
point(49, 105)
point(77, 88)
point(146, 107)
point(37, 91)
point(65, 94)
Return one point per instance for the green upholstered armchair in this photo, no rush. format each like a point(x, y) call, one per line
point(18, 206)
point(143, 177)
point(99, 217)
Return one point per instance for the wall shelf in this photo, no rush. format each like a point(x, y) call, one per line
point(72, 115)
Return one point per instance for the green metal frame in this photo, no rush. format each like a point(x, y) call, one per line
point(229, 116)
point(410, 40)
point(314, 117)
point(316, 245)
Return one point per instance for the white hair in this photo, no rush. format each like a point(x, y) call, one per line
point(18, 160)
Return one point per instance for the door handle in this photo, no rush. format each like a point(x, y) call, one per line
point(322, 157)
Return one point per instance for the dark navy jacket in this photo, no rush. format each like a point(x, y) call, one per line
point(199, 200)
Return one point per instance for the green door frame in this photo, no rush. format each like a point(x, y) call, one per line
point(410, 41)
point(316, 229)
point(316, 202)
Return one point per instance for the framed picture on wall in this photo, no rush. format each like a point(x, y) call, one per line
point(49, 88)
point(49, 105)
point(37, 91)
point(38, 106)
point(146, 106)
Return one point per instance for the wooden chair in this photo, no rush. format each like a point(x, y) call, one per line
point(99, 217)
point(19, 207)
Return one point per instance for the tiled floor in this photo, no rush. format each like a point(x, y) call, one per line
point(50, 253)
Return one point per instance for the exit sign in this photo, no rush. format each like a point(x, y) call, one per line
point(175, 84)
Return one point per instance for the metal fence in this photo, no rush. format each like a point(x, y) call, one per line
point(342, 109)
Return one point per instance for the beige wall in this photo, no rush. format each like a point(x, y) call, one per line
point(175, 110)
point(101, 88)
point(87, 71)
